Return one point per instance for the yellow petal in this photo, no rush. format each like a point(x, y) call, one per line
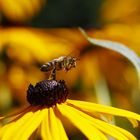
point(95, 114)
point(126, 11)
point(26, 6)
point(20, 10)
point(51, 127)
point(13, 127)
point(92, 107)
point(133, 122)
point(4, 129)
point(61, 129)
point(45, 130)
point(29, 126)
point(125, 132)
point(56, 127)
point(105, 127)
point(38, 40)
point(21, 112)
point(81, 123)
point(13, 11)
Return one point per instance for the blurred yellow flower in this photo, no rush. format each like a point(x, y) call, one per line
point(126, 11)
point(39, 44)
point(20, 10)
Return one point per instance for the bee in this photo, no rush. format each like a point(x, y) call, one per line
point(61, 63)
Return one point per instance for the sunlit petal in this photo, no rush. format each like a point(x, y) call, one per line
point(81, 123)
point(45, 130)
point(15, 126)
point(4, 129)
point(54, 128)
point(61, 129)
point(30, 126)
point(105, 127)
point(92, 107)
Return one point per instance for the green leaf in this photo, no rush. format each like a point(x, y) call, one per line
point(118, 47)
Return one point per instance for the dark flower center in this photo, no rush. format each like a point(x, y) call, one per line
point(47, 93)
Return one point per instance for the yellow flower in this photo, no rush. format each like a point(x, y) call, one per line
point(20, 10)
point(49, 105)
point(126, 11)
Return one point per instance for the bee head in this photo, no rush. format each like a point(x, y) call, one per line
point(71, 63)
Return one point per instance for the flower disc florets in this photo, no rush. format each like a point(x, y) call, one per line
point(47, 93)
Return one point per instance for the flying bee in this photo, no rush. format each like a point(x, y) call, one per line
point(62, 63)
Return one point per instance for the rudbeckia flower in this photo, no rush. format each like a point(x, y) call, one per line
point(49, 105)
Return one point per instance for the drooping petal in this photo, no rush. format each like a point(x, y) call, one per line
point(117, 47)
point(106, 127)
point(125, 132)
point(92, 107)
point(133, 122)
point(81, 123)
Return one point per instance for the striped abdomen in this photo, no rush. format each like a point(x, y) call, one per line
point(50, 66)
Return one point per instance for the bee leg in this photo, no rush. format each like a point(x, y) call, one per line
point(53, 74)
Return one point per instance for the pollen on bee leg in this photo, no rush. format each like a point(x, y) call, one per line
point(47, 93)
